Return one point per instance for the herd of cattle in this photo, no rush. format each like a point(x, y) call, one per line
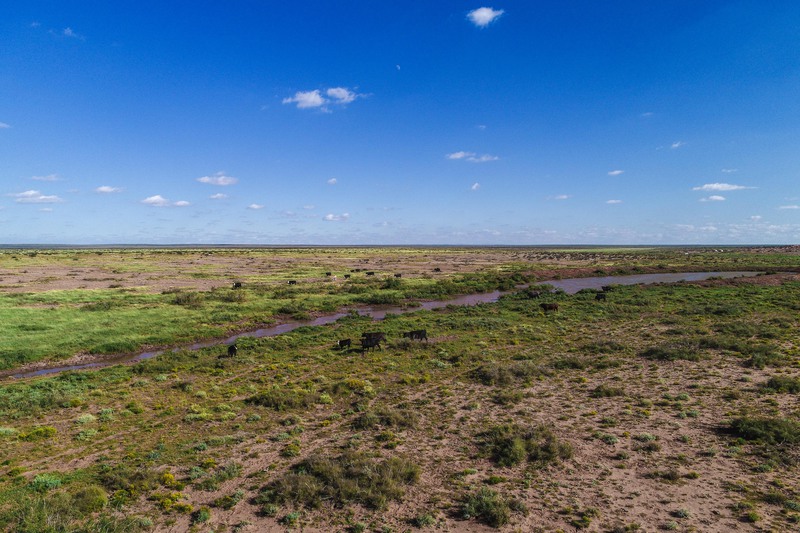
point(371, 340)
point(238, 284)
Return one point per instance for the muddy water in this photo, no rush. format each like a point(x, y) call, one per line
point(570, 286)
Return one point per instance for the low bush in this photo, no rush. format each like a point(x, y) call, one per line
point(774, 431)
point(782, 384)
point(352, 477)
point(489, 507)
point(510, 444)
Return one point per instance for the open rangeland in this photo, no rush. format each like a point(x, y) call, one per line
point(659, 407)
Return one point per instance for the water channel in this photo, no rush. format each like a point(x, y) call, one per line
point(570, 286)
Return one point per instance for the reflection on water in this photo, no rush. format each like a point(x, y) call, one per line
point(570, 286)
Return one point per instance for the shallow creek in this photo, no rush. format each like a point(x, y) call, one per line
point(570, 286)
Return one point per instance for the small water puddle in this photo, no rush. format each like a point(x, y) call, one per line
point(570, 286)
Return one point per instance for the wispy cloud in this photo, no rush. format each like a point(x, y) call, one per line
point(616, 172)
point(613, 201)
point(35, 197)
point(49, 177)
point(69, 32)
point(332, 181)
point(720, 187)
point(340, 96)
point(106, 189)
point(160, 201)
point(730, 170)
point(483, 16)
point(330, 217)
point(4, 126)
point(475, 186)
point(647, 114)
point(756, 218)
point(789, 207)
point(218, 196)
point(255, 207)
point(561, 197)
point(677, 144)
point(218, 179)
point(713, 198)
point(309, 207)
point(472, 157)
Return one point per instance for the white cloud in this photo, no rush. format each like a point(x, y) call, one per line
point(181, 203)
point(314, 99)
point(309, 207)
point(730, 170)
point(677, 144)
point(483, 16)
point(341, 95)
point(35, 197)
point(713, 198)
point(647, 114)
point(218, 196)
point(69, 32)
point(4, 126)
point(475, 186)
point(472, 157)
point(561, 197)
point(218, 179)
point(332, 181)
point(255, 206)
point(49, 177)
point(330, 217)
point(613, 201)
point(755, 218)
point(156, 201)
point(720, 187)
point(46, 209)
point(106, 189)
point(615, 172)
point(789, 207)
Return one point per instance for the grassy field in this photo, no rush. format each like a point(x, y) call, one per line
point(662, 407)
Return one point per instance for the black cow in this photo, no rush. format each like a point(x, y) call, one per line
point(370, 273)
point(532, 294)
point(607, 288)
point(552, 306)
point(437, 269)
point(398, 275)
point(232, 349)
point(347, 276)
point(417, 334)
point(237, 284)
point(344, 343)
point(371, 340)
point(292, 282)
point(600, 296)
point(327, 274)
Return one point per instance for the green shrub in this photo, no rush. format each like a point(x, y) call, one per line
point(201, 515)
point(606, 391)
point(386, 417)
point(281, 399)
point(352, 477)
point(510, 444)
point(45, 482)
point(775, 431)
point(487, 506)
point(672, 351)
point(783, 384)
point(38, 433)
point(90, 499)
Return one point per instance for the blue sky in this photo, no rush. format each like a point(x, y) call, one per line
point(397, 122)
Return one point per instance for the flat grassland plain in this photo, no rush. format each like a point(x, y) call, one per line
point(667, 407)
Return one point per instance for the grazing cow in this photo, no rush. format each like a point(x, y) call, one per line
point(327, 274)
point(552, 306)
point(371, 340)
point(232, 349)
point(292, 282)
point(600, 296)
point(370, 273)
point(437, 269)
point(607, 288)
point(347, 276)
point(237, 284)
point(398, 275)
point(532, 294)
point(417, 334)
point(344, 343)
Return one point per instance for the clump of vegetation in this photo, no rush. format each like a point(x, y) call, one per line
point(773, 431)
point(686, 350)
point(352, 477)
point(490, 507)
point(386, 417)
point(506, 373)
point(283, 399)
point(606, 391)
point(510, 444)
point(782, 384)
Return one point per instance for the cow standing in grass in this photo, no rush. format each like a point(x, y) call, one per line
point(417, 334)
point(232, 350)
point(551, 306)
point(344, 343)
point(370, 340)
